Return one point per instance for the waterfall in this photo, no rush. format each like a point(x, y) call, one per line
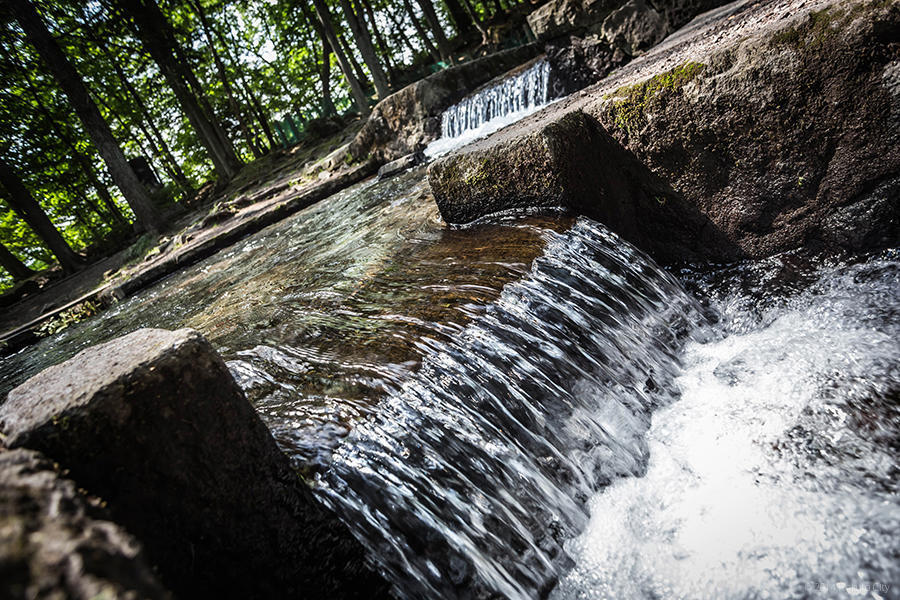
point(492, 108)
point(467, 481)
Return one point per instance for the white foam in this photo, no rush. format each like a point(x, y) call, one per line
point(761, 481)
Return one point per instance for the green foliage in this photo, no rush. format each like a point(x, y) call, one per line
point(255, 61)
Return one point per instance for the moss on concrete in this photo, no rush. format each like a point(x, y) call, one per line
point(634, 100)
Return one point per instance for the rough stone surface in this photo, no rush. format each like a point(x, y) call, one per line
point(634, 27)
point(786, 139)
point(55, 542)
point(778, 120)
point(567, 17)
point(569, 163)
point(395, 167)
point(576, 63)
point(562, 17)
point(155, 425)
point(407, 119)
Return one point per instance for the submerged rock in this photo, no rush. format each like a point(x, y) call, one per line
point(56, 543)
point(405, 120)
point(154, 424)
point(571, 163)
point(395, 167)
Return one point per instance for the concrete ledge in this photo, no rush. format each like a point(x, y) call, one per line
point(569, 162)
point(154, 424)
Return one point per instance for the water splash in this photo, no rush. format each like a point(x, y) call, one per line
point(775, 474)
point(467, 481)
point(493, 108)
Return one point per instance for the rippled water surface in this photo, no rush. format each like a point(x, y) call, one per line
point(534, 408)
point(320, 315)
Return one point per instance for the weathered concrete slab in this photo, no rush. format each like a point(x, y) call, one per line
point(154, 424)
point(56, 543)
point(760, 116)
point(570, 163)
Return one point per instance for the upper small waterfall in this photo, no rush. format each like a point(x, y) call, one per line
point(493, 107)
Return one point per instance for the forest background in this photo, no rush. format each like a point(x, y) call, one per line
point(114, 113)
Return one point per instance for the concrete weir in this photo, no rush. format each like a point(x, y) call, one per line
point(568, 162)
point(154, 424)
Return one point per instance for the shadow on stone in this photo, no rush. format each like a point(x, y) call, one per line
point(155, 425)
point(55, 543)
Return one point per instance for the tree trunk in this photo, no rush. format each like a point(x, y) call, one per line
point(359, 95)
point(58, 127)
point(158, 39)
point(470, 10)
point(460, 17)
point(94, 124)
point(13, 265)
point(365, 7)
point(24, 204)
point(432, 19)
point(145, 119)
point(435, 53)
point(328, 108)
point(348, 52)
point(364, 43)
point(223, 77)
point(398, 34)
point(248, 92)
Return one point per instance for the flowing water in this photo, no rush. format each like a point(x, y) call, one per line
point(322, 314)
point(493, 108)
point(532, 408)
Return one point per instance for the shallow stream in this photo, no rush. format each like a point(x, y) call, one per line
point(532, 408)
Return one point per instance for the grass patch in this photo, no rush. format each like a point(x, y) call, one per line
point(76, 314)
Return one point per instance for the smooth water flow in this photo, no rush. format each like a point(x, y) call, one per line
point(532, 408)
point(474, 474)
point(493, 108)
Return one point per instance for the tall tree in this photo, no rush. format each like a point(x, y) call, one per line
point(435, 53)
point(365, 7)
point(96, 127)
point(13, 265)
point(158, 38)
point(359, 95)
point(364, 43)
point(28, 209)
point(236, 109)
point(432, 19)
point(461, 16)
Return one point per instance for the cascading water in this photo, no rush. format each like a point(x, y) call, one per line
point(468, 480)
point(499, 406)
point(492, 108)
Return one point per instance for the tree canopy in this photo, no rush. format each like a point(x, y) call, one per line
point(113, 112)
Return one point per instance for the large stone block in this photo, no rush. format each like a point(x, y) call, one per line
point(57, 543)
point(562, 17)
point(155, 425)
point(569, 162)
